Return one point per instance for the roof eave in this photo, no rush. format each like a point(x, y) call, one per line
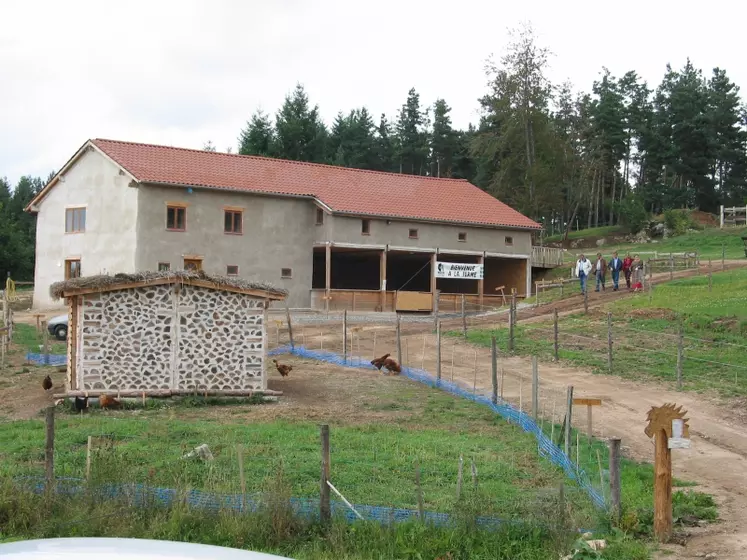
point(437, 221)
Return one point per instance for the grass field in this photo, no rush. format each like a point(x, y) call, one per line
point(645, 332)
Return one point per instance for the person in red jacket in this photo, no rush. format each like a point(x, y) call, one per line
point(627, 268)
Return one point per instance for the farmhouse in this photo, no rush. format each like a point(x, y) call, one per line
point(332, 237)
point(166, 333)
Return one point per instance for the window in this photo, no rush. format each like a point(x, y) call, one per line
point(193, 264)
point(365, 227)
point(509, 240)
point(319, 217)
point(462, 236)
point(72, 268)
point(286, 273)
point(232, 270)
point(233, 221)
point(176, 218)
point(164, 267)
point(75, 220)
point(413, 234)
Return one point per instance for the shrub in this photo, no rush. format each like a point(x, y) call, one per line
point(679, 221)
point(633, 214)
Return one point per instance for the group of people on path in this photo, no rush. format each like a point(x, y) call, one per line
point(631, 267)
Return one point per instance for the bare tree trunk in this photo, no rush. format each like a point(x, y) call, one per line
point(596, 198)
point(569, 225)
point(612, 206)
point(591, 200)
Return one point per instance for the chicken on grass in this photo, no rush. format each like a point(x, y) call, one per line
point(392, 366)
point(283, 369)
point(107, 402)
point(379, 362)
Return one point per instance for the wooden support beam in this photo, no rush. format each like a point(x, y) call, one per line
point(165, 393)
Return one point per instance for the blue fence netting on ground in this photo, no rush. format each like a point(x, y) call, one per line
point(141, 495)
point(545, 446)
point(46, 359)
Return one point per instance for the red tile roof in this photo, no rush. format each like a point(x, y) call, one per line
point(342, 189)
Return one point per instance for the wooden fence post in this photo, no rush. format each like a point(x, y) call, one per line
point(325, 511)
point(345, 336)
point(680, 353)
point(399, 341)
point(494, 368)
point(45, 342)
point(242, 479)
point(671, 267)
point(723, 256)
point(609, 341)
point(460, 477)
point(89, 445)
point(615, 498)
point(556, 344)
point(419, 490)
point(568, 418)
point(511, 323)
point(710, 276)
point(290, 326)
point(438, 350)
point(49, 449)
point(586, 297)
point(535, 388)
point(464, 318)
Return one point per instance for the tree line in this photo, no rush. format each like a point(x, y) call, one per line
point(604, 157)
point(17, 228)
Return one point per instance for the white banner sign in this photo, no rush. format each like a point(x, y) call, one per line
point(459, 270)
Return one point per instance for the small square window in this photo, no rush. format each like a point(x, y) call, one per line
point(72, 268)
point(75, 220)
point(232, 270)
point(286, 273)
point(366, 227)
point(319, 217)
point(413, 234)
point(233, 222)
point(176, 218)
point(509, 240)
point(462, 236)
point(164, 267)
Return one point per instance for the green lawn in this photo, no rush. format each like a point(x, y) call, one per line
point(29, 340)
point(602, 231)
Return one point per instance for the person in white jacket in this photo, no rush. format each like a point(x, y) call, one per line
point(583, 269)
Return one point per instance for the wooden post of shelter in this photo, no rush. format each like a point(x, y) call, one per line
point(325, 511)
point(494, 368)
point(614, 468)
point(589, 403)
point(668, 425)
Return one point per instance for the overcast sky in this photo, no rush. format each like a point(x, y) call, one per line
point(184, 72)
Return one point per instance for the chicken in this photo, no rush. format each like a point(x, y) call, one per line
point(80, 404)
point(378, 362)
point(105, 401)
point(47, 383)
point(283, 369)
point(392, 366)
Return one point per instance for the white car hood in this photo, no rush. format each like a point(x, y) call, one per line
point(123, 549)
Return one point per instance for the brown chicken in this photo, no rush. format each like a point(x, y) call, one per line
point(105, 401)
point(378, 362)
point(392, 366)
point(47, 383)
point(283, 369)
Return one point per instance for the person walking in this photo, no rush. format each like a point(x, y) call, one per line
point(583, 269)
point(600, 269)
point(615, 266)
point(627, 268)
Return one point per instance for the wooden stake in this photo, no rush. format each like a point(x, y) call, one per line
point(419, 490)
point(460, 474)
point(601, 472)
point(464, 318)
point(589, 426)
point(345, 336)
point(586, 296)
point(242, 480)
point(453, 347)
point(290, 325)
point(88, 458)
point(321, 340)
point(49, 449)
point(521, 385)
point(609, 342)
point(422, 356)
point(438, 350)
point(568, 418)
point(710, 275)
point(535, 388)
point(662, 488)
point(474, 384)
point(502, 376)
point(45, 339)
point(615, 498)
point(325, 511)
point(680, 353)
point(374, 346)
point(556, 343)
point(399, 341)
point(474, 474)
point(578, 447)
point(494, 369)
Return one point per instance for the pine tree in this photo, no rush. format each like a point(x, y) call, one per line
point(300, 132)
point(258, 138)
point(412, 136)
point(384, 146)
point(444, 141)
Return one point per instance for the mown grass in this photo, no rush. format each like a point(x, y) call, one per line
point(602, 231)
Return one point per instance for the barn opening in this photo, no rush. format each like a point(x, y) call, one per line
point(408, 271)
point(350, 269)
point(510, 273)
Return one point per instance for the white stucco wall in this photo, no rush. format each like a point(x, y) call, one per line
point(109, 242)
